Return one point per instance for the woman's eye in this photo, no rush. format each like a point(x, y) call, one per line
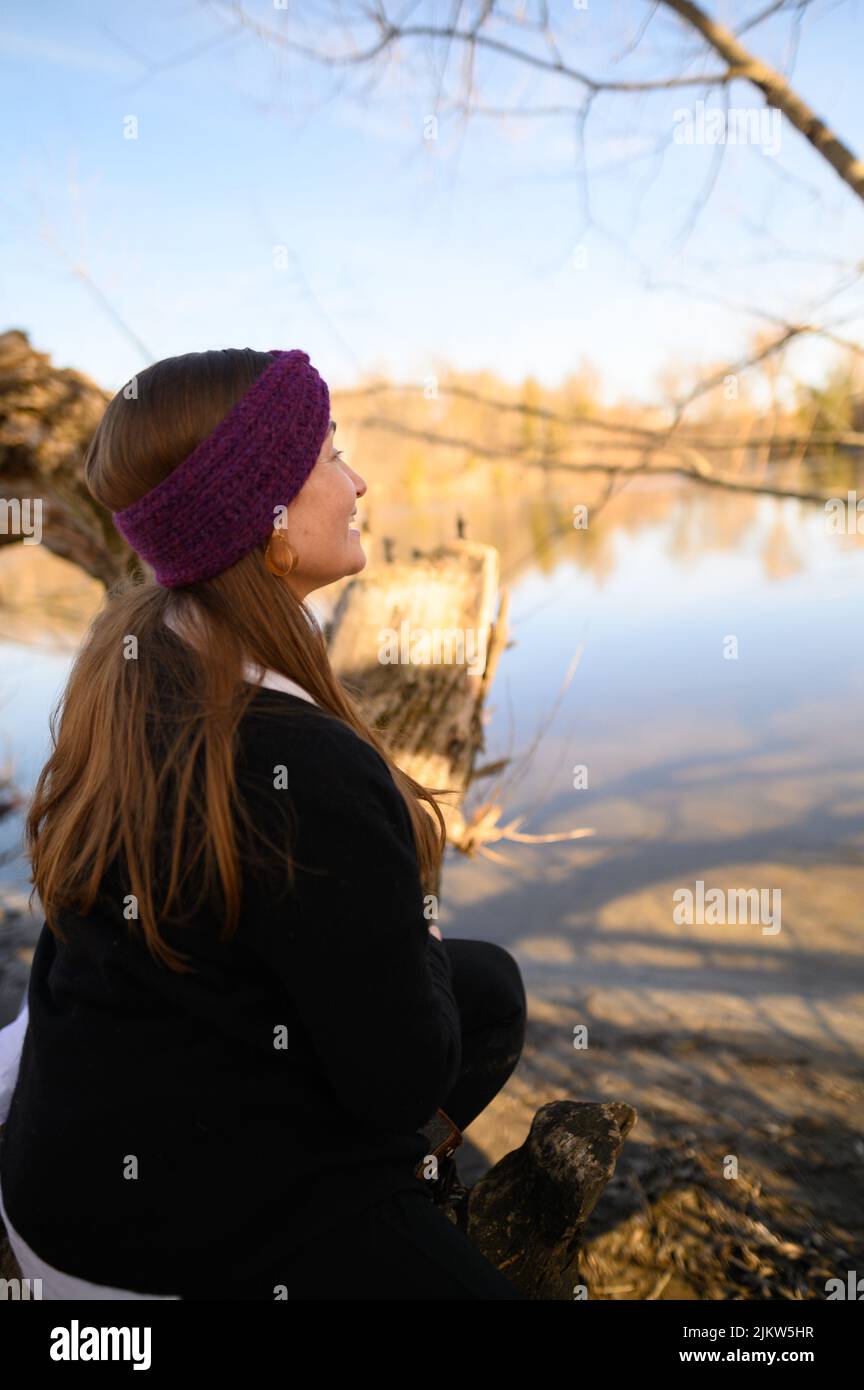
point(339, 455)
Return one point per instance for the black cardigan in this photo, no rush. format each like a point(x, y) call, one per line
point(279, 1087)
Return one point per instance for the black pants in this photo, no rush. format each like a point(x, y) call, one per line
point(491, 998)
point(405, 1247)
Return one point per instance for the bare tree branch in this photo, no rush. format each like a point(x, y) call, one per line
point(704, 439)
point(740, 63)
point(697, 470)
point(391, 34)
point(776, 91)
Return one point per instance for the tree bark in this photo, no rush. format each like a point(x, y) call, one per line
point(47, 417)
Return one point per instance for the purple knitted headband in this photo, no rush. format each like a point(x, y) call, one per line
point(220, 502)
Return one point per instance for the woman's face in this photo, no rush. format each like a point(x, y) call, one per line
point(318, 524)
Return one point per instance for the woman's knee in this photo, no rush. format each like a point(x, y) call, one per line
point(496, 977)
point(508, 977)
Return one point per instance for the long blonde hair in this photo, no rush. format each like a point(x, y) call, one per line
point(137, 736)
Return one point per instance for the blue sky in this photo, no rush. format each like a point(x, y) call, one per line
point(404, 254)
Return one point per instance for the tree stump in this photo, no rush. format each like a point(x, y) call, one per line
point(428, 712)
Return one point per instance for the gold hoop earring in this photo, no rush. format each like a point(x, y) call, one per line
point(274, 568)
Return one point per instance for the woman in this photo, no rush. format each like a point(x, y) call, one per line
point(239, 1018)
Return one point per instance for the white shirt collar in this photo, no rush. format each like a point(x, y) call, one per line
point(254, 674)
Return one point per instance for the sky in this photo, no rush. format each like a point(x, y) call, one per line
point(267, 200)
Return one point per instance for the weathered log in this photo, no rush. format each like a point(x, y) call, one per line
point(528, 1212)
